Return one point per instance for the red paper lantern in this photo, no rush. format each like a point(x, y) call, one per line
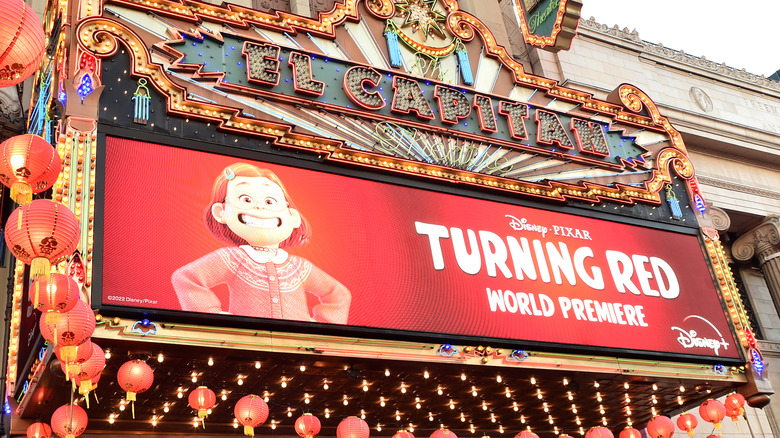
point(403, 434)
point(352, 427)
point(660, 427)
point(687, 422)
point(48, 232)
point(443, 433)
point(67, 424)
point(89, 370)
point(202, 399)
point(28, 164)
point(526, 434)
point(735, 406)
point(39, 430)
point(70, 329)
point(71, 358)
point(307, 425)
point(135, 377)
point(599, 432)
point(58, 293)
point(251, 411)
point(23, 42)
point(712, 411)
point(630, 432)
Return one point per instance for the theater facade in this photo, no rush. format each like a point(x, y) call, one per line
point(373, 212)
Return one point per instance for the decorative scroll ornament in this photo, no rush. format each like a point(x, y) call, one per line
point(549, 24)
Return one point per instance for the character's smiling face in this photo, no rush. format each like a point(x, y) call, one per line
point(256, 210)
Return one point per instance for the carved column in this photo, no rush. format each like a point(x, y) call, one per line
point(763, 243)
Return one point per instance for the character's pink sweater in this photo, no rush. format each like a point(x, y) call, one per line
point(261, 287)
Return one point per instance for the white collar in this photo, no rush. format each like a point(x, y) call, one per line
point(262, 257)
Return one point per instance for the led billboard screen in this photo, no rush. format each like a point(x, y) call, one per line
point(191, 231)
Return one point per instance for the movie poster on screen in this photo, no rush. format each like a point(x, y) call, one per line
point(191, 231)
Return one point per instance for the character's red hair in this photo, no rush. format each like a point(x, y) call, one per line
point(299, 236)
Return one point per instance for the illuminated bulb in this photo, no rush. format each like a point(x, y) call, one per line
point(533, 380)
point(194, 379)
point(289, 413)
point(501, 428)
point(682, 388)
point(179, 395)
point(266, 398)
point(111, 419)
point(166, 409)
point(628, 410)
point(463, 376)
point(522, 419)
point(403, 389)
point(599, 399)
point(507, 393)
point(515, 407)
point(241, 382)
point(565, 381)
point(474, 391)
point(346, 402)
point(235, 425)
point(452, 404)
point(325, 386)
point(378, 427)
point(211, 361)
point(397, 416)
point(425, 374)
point(365, 387)
point(484, 406)
point(224, 396)
point(284, 384)
point(440, 391)
point(655, 387)
point(625, 385)
point(257, 365)
point(208, 411)
point(273, 425)
point(382, 401)
point(596, 384)
point(303, 368)
point(539, 396)
point(411, 428)
point(108, 354)
point(122, 407)
point(498, 378)
point(601, 411)
point(387, 372)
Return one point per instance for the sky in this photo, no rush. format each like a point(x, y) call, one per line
point(743, 33)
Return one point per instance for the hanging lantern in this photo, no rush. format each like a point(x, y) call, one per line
point(630, 432)
point(403, 434)
point(28, 164)
point(443, 433)
point(71, 329)
point(72, 358)
point(202, 399)
point(352, 427)
point(687, 422)
point(599, 432)
point(735, 406)
point(39, 430)
point(135, 376)
point(712, 411)
point(55, 295)
point(252, 411)
point(526, 434)
point(89, 370)
point(49, 232)
point(307, 425)
point(660, 427)
point(69, 421)
point(23, 42)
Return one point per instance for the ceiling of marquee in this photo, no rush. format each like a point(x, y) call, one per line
point(474, 400)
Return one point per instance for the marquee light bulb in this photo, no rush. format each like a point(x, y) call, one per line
point(387, 372)
point(160, 358)
point(463, 376)
point(211, 361)
point(257, 365)
point(498, 378)
point(425, 374)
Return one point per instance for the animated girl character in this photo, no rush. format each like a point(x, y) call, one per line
point(251, 210)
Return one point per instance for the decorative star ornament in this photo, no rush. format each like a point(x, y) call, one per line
point(422, 16)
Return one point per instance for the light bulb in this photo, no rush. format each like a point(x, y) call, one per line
point(257, 365)
point(160, 358)
point(211, 361)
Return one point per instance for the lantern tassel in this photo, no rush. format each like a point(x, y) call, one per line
point(249, 431)
point(95, 394)
point(691, 432)
point(36, 297)
point(53, 318)
point(40, 267)
point(21, 193)
point(202, 420)
point(202, 413)
point(131, 398)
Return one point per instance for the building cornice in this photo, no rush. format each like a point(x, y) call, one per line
point(679, 56)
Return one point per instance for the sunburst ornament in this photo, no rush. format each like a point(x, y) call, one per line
point(422, 16)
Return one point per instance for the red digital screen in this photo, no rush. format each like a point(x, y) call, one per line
point(192, 231)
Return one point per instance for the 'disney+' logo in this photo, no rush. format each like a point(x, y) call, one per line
point(692, 339)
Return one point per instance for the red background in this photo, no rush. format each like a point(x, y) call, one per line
point(364, 236)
